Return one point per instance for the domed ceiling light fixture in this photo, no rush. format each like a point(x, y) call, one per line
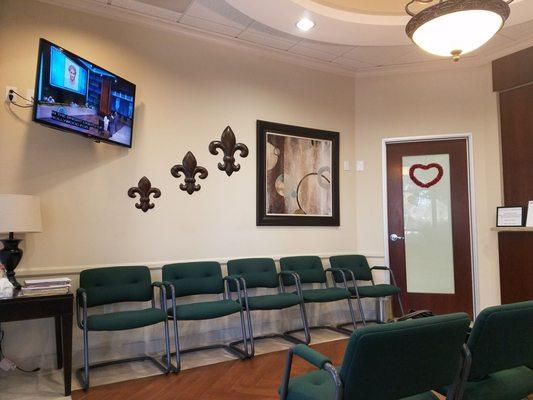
point(456, 27)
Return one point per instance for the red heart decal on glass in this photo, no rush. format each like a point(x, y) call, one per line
point(414, 167)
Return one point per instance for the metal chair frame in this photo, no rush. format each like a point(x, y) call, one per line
point(82, 374)
point(285, 335)
point(336, 328)
point(232, 348)
point(356, 296)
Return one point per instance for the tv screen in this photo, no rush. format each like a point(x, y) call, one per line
point(73, 94)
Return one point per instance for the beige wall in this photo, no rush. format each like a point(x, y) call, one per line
point(187, 92)
point(431, 103)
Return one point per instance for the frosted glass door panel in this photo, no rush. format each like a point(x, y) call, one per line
point(428, 224)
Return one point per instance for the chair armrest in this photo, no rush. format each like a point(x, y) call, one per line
point(293, 275)
point(237, 280)
point(81, 307)
point(315, 358)
point(163, 298)
point(384, 268)
point(380, 267)
point(342, 273)
point(311, 356)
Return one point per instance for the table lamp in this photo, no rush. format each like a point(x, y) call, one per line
point(18, 214)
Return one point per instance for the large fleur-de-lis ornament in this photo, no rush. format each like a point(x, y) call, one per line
point(144, 190)
point(189, 168)
point(229, 146)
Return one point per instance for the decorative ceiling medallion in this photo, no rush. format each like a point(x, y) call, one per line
point(456, 27)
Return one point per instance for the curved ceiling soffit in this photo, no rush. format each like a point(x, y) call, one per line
point(339, 26)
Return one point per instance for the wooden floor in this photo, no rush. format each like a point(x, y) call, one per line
point(258, 378)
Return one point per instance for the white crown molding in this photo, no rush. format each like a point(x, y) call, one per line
point(125, 15)
point(445, 64)
point(157, 265)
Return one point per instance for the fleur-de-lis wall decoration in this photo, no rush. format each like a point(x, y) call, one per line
point(144, 190)
point(229, 146)
point(189, 168)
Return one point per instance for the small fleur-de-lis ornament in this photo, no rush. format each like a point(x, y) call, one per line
point(144, 190)
point(189, 168)
point(229, 146)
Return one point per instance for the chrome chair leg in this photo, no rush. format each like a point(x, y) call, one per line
point(305, 323)
point(352, 313)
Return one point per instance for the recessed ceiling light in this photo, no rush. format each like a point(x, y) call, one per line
point(305, 24)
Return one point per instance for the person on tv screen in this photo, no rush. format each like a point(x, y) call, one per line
point(71, 77)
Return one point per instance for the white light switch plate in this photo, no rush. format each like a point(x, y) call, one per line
point(346, 165)
point(360, 166)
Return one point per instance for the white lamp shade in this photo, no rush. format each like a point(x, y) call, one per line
point(20, 213)
point(462, 31)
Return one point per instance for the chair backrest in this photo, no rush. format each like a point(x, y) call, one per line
point(116, 285)
point(356, 263)
point(402, 359)
point(202, 277)
point(309, 268)
point(502, 338)
point(257, 272)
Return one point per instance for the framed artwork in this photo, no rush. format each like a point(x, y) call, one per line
point(297, 176)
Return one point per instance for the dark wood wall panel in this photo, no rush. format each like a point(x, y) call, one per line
point(513, 78)
point(516, 113)
point(516, 266)
point(513, 70)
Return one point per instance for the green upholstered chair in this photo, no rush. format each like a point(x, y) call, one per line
point(403, 360)
point(356, 268)
point(202, 278)
point(501, 344)
point(103, 286)
point(310, 271)
point(261, 273)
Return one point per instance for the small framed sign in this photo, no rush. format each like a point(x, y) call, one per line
point(509, 216)
point(529, 221)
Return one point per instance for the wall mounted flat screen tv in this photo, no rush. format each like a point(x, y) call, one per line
point(78, 96)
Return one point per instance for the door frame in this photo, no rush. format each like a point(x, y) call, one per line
point(471, 196)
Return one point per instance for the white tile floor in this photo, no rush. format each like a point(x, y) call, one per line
point(48, 384)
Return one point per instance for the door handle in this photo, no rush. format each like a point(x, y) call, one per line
point(394, 237)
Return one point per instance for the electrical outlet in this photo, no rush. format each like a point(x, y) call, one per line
point(8, 88)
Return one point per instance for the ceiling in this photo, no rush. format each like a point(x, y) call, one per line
point(219, 18)
point(388, 7)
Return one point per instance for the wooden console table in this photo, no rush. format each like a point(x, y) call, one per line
point(59, 307)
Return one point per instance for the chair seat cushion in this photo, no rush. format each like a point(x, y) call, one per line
point(324, 295)
point(118, 321)
point(206, 310)
point(319, 385)
point(273, 301)
point(376, 290)
point(316, 385)
point(510, 384)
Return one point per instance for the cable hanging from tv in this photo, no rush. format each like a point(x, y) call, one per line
point(11, 95)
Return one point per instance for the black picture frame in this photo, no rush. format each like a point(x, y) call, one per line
point(522, 218)
point(262, 217)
